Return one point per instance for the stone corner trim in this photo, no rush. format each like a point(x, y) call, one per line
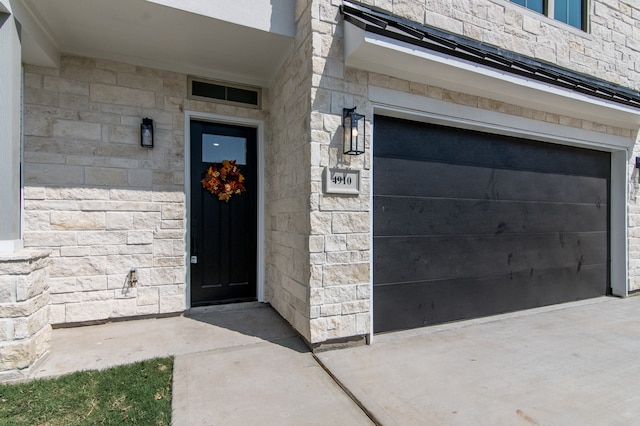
point(25, 330)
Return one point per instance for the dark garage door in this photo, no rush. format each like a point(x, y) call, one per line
point(468, 224)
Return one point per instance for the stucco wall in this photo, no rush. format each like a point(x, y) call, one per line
point(10, 88)
point(101, 203)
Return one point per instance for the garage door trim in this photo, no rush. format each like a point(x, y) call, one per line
point(418, 108)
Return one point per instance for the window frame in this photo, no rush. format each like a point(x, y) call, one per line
point(548, 7)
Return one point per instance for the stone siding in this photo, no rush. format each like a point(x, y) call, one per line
point(609, 50)
point(95, 198)
point(340, 230)
point(25, 331)
point(103, 205)
point(287, 186)
point(340, 224)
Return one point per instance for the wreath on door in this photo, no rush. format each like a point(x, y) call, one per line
point(224, 180)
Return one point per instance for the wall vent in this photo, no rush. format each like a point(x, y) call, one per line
point(223, 92)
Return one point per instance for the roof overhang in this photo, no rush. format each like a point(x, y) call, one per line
point(244, 40)
point(367, 47)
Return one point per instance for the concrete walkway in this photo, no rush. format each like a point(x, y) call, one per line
point(242, 364)
point(573, 364)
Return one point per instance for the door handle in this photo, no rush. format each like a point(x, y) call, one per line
point(194, 248)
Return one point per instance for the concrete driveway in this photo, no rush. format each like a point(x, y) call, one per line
point(572, 364)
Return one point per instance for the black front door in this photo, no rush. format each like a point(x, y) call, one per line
point(223, 232)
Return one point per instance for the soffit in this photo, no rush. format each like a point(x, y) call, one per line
point(151, 34)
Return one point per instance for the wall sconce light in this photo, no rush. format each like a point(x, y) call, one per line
point(353, 125)
point(146, 133)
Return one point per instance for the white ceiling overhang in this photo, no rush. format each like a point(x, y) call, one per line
point(243, 41)
point(377, 53)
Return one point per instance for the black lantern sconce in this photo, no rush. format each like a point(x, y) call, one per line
point(353, 126)
point(146, 133)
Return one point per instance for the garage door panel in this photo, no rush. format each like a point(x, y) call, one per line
point(427, 303)
point(442, 257)
point(397, 138)
point(437, 216)
point(467, 224)
point(394, 174)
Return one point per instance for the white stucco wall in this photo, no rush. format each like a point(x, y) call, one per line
point(10, 122)
point(276, 16)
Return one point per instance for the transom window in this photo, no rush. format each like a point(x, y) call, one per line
point(572, 12)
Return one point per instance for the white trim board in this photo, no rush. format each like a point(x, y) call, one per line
point(237, 121)
point(10, 246)
point(419, 108)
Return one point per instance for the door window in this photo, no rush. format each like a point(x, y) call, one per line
point(216, 148)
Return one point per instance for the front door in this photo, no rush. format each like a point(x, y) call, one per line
point(223, 232)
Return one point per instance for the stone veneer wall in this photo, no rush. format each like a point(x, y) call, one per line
point(287, 186)
point(96, 199)
point(610, 50)
point(25, 332)
point(340, 229)
point(340, 224)
point(102, 204)
point(317, 246)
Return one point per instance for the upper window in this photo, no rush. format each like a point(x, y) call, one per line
point(572, 12)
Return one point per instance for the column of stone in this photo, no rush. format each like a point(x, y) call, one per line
point(25, 332)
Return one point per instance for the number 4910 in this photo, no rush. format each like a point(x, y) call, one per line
point(340, 180)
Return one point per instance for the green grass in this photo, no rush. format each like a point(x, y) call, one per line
point(136, 394)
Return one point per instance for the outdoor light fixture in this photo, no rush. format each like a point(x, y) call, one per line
point(146, 133)
point(353, 125)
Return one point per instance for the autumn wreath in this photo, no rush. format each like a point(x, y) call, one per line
point(224, 180)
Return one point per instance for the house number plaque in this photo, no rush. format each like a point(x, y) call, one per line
point(342, 181)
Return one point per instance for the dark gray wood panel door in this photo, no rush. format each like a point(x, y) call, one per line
point(223, 240)
point(469, 224)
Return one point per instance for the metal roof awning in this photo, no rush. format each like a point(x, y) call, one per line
point(380, 42)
